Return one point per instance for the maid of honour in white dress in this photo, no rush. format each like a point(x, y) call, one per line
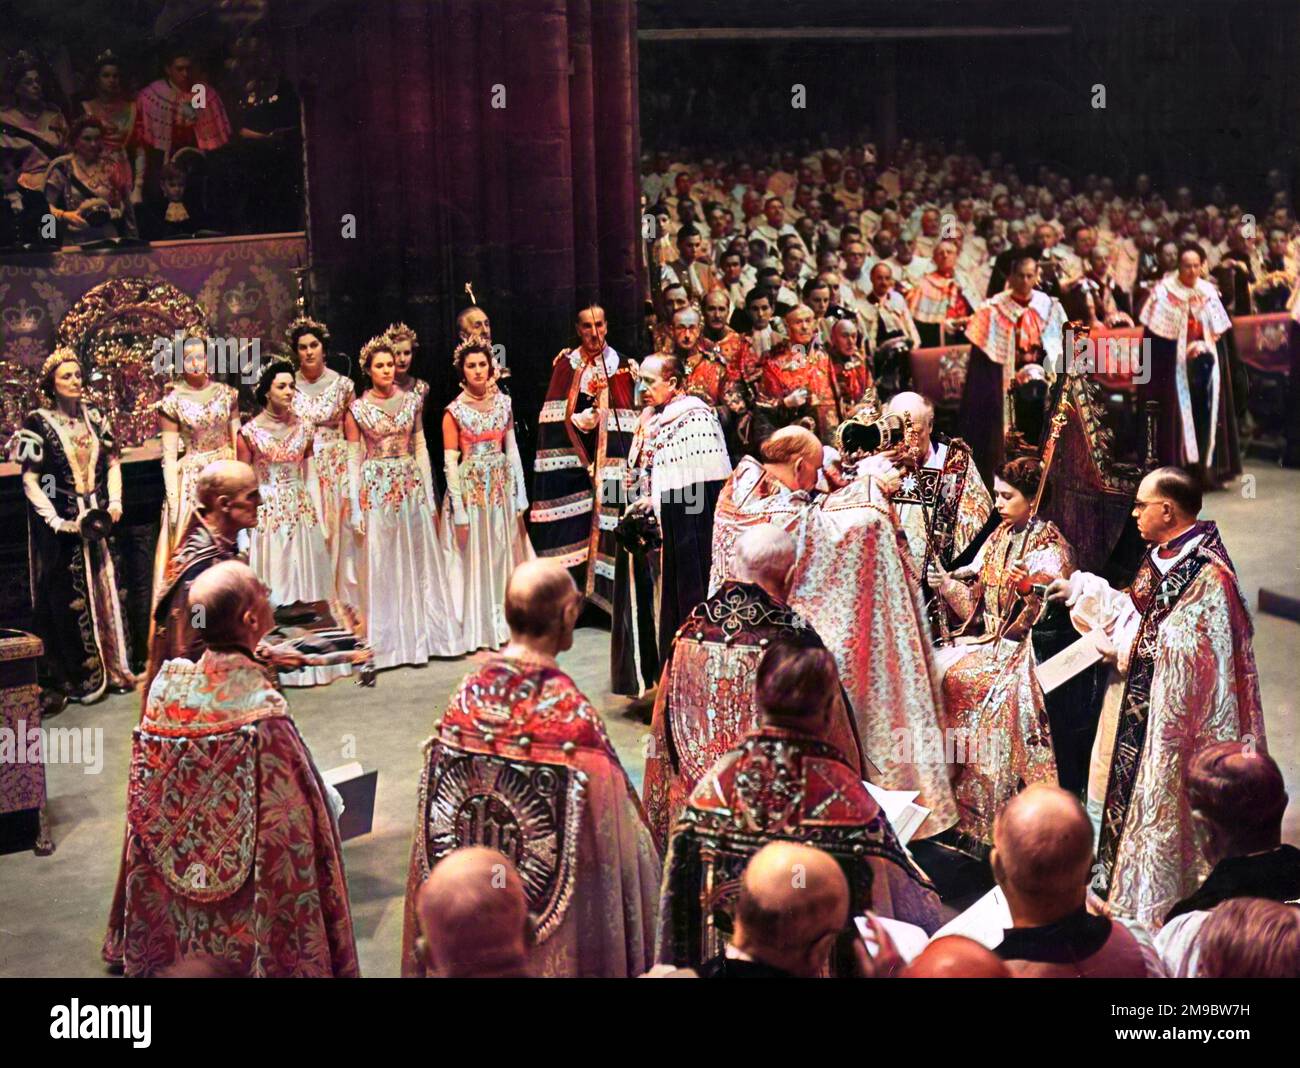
point(483, 513)
point(199, 418)
point(286, 549)
point(401, 576)
point(322, 398)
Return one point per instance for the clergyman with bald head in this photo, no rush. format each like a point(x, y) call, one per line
point(575, 829)
point(228, 500)
point(261, 890)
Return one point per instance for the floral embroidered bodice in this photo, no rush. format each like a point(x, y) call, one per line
point(203, 417)
point(481, 432)
point(387, 434)
point(323, 403)
point(278, 458)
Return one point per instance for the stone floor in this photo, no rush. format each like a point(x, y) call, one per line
point(53, 909)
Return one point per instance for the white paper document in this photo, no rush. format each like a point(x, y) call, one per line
point(901, 809)
point(985, 921)
point(1074, 658)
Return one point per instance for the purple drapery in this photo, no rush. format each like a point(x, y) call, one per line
point(535, 202)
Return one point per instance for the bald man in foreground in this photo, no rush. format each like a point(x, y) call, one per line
point(705, 701)
point(473, 916)
point(521, 761)
point(956, 957)
point(228, 499)
point(792, 906)
point(1042, 860)
point(245, 866)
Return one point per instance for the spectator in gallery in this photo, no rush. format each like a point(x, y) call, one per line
point(116, 111)
point(31, 122)
point(86, 193)
point(265, 161)
point(170, 120)
point(174, 214)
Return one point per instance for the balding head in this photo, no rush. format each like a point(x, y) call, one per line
point(1238, 794)
point(765, 555)
point(474, 916)
point(228, 496)
point(542, 606)
point(794, 455)
point(223, 478)
point(794, 901)
point(920, 408)
point(228, 605)
point(921, 411)
point(956, 957)
point(1042, 854)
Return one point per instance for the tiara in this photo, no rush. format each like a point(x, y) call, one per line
point(22, 60)
point(61, 355)
point(379, 343)
point(307, 325)
point(471, 344)
point(105, 57)
point(401, 332)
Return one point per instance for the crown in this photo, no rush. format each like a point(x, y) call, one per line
point(243, 299)
point(106, 57)
point(23, 318)
point(59, 356)
point(305, 324)
point(22, 60)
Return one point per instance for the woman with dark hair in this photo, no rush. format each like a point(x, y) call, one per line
point(72, 479)
point(397, 570)
point(996, 719)
point(286, 549)
point(85, 191)
point(483, 529)
point(32, 123)
point(321, 397)
point(115, 109)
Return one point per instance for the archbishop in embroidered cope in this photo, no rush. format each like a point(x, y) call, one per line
point(856, 584)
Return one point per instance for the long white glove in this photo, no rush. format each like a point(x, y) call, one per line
point(115, 490)
point(171, 475)
point(44, 507)
point(451, 464)
point(426, 470)
point(517, 468)
point(354, 486)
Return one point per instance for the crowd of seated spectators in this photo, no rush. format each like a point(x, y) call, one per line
point(128, 154)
